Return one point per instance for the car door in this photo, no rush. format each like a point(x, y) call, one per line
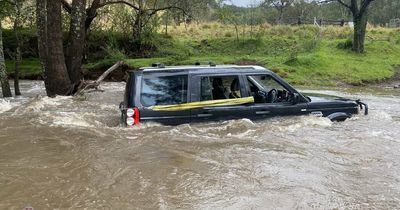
point(282, 105)
point(206, 89)
point(158, 92)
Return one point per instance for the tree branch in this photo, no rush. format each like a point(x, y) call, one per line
point(154, 11)
point(9, 2)
point(95, 84)
point(117, 2)
point(339, 1)
point(67, 7)
point(364, 5)
point(344, 4)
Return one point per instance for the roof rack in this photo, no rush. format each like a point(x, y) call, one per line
point(158, 65)
point(210, 63)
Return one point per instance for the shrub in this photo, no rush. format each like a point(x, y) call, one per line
point(348, 44)
point(228, 34)
point(113, 51)
point(294, 52)
point(336, 32)
point(28, 43)
point(281, 30)
point(206, 26)
point(309, 45)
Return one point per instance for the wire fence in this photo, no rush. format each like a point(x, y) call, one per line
point(319, 22)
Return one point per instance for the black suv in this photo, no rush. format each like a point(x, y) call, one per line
point(185, 94)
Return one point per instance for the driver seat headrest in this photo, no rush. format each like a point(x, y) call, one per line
point(235, 85)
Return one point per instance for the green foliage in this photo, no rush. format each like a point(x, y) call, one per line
point(168, 47)
point(309, 45)
point(206, 26)
point(113, 50)
point(28, 41)
point(304, 55)
point(345, 45)
point(29, 67)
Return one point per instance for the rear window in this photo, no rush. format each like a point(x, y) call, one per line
point(129, 93)
point(164, 90)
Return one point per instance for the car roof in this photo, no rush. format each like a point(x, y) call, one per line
point(204, 69)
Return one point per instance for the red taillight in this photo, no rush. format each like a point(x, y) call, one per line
point(132, 117)
point(136, 116)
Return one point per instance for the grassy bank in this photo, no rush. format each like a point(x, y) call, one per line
point(304, 55)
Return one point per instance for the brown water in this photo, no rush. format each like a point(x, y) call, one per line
point(67, 153)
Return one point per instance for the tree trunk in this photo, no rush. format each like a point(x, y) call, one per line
point(237, 32)
point(16, 72)
point(50, 43)
point(360, 27)
point(90, 16)
point(166, 28)
point(280, 16)
point(76, 45)
point(137, 26)
point(5, 86)
point(42, 35)
point(18, 48)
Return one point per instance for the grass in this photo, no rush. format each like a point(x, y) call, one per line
point(329, 65)
point(28, 67)
point(303, 55)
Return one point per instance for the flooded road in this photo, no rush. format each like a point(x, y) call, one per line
point(69, 153)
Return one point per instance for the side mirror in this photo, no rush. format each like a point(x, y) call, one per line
point(295, 98)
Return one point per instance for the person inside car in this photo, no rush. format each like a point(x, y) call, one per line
point(218, 89)
point(235, 89)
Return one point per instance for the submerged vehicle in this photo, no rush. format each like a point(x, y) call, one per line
point(185, 94)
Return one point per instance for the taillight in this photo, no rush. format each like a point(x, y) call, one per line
point(132, 116)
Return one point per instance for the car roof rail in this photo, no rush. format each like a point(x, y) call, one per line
point(158, 65)
point(210, 63)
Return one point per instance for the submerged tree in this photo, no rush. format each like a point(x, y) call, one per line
point(5, 86)
point(19, 14)
point(82, 17)
point(50, 47)
point(18, 54)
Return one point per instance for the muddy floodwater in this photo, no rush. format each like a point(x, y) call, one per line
point(70, 153)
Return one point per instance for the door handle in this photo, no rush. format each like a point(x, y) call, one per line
point(204, 115)
point(263, 112)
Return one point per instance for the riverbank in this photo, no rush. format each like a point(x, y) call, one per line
point(303, 55)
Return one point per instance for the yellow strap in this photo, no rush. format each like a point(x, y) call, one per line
point(200, 104)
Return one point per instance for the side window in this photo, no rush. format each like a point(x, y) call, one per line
point(265, 89)
point(219, 87)
point(164, 90)
point(206, 89)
